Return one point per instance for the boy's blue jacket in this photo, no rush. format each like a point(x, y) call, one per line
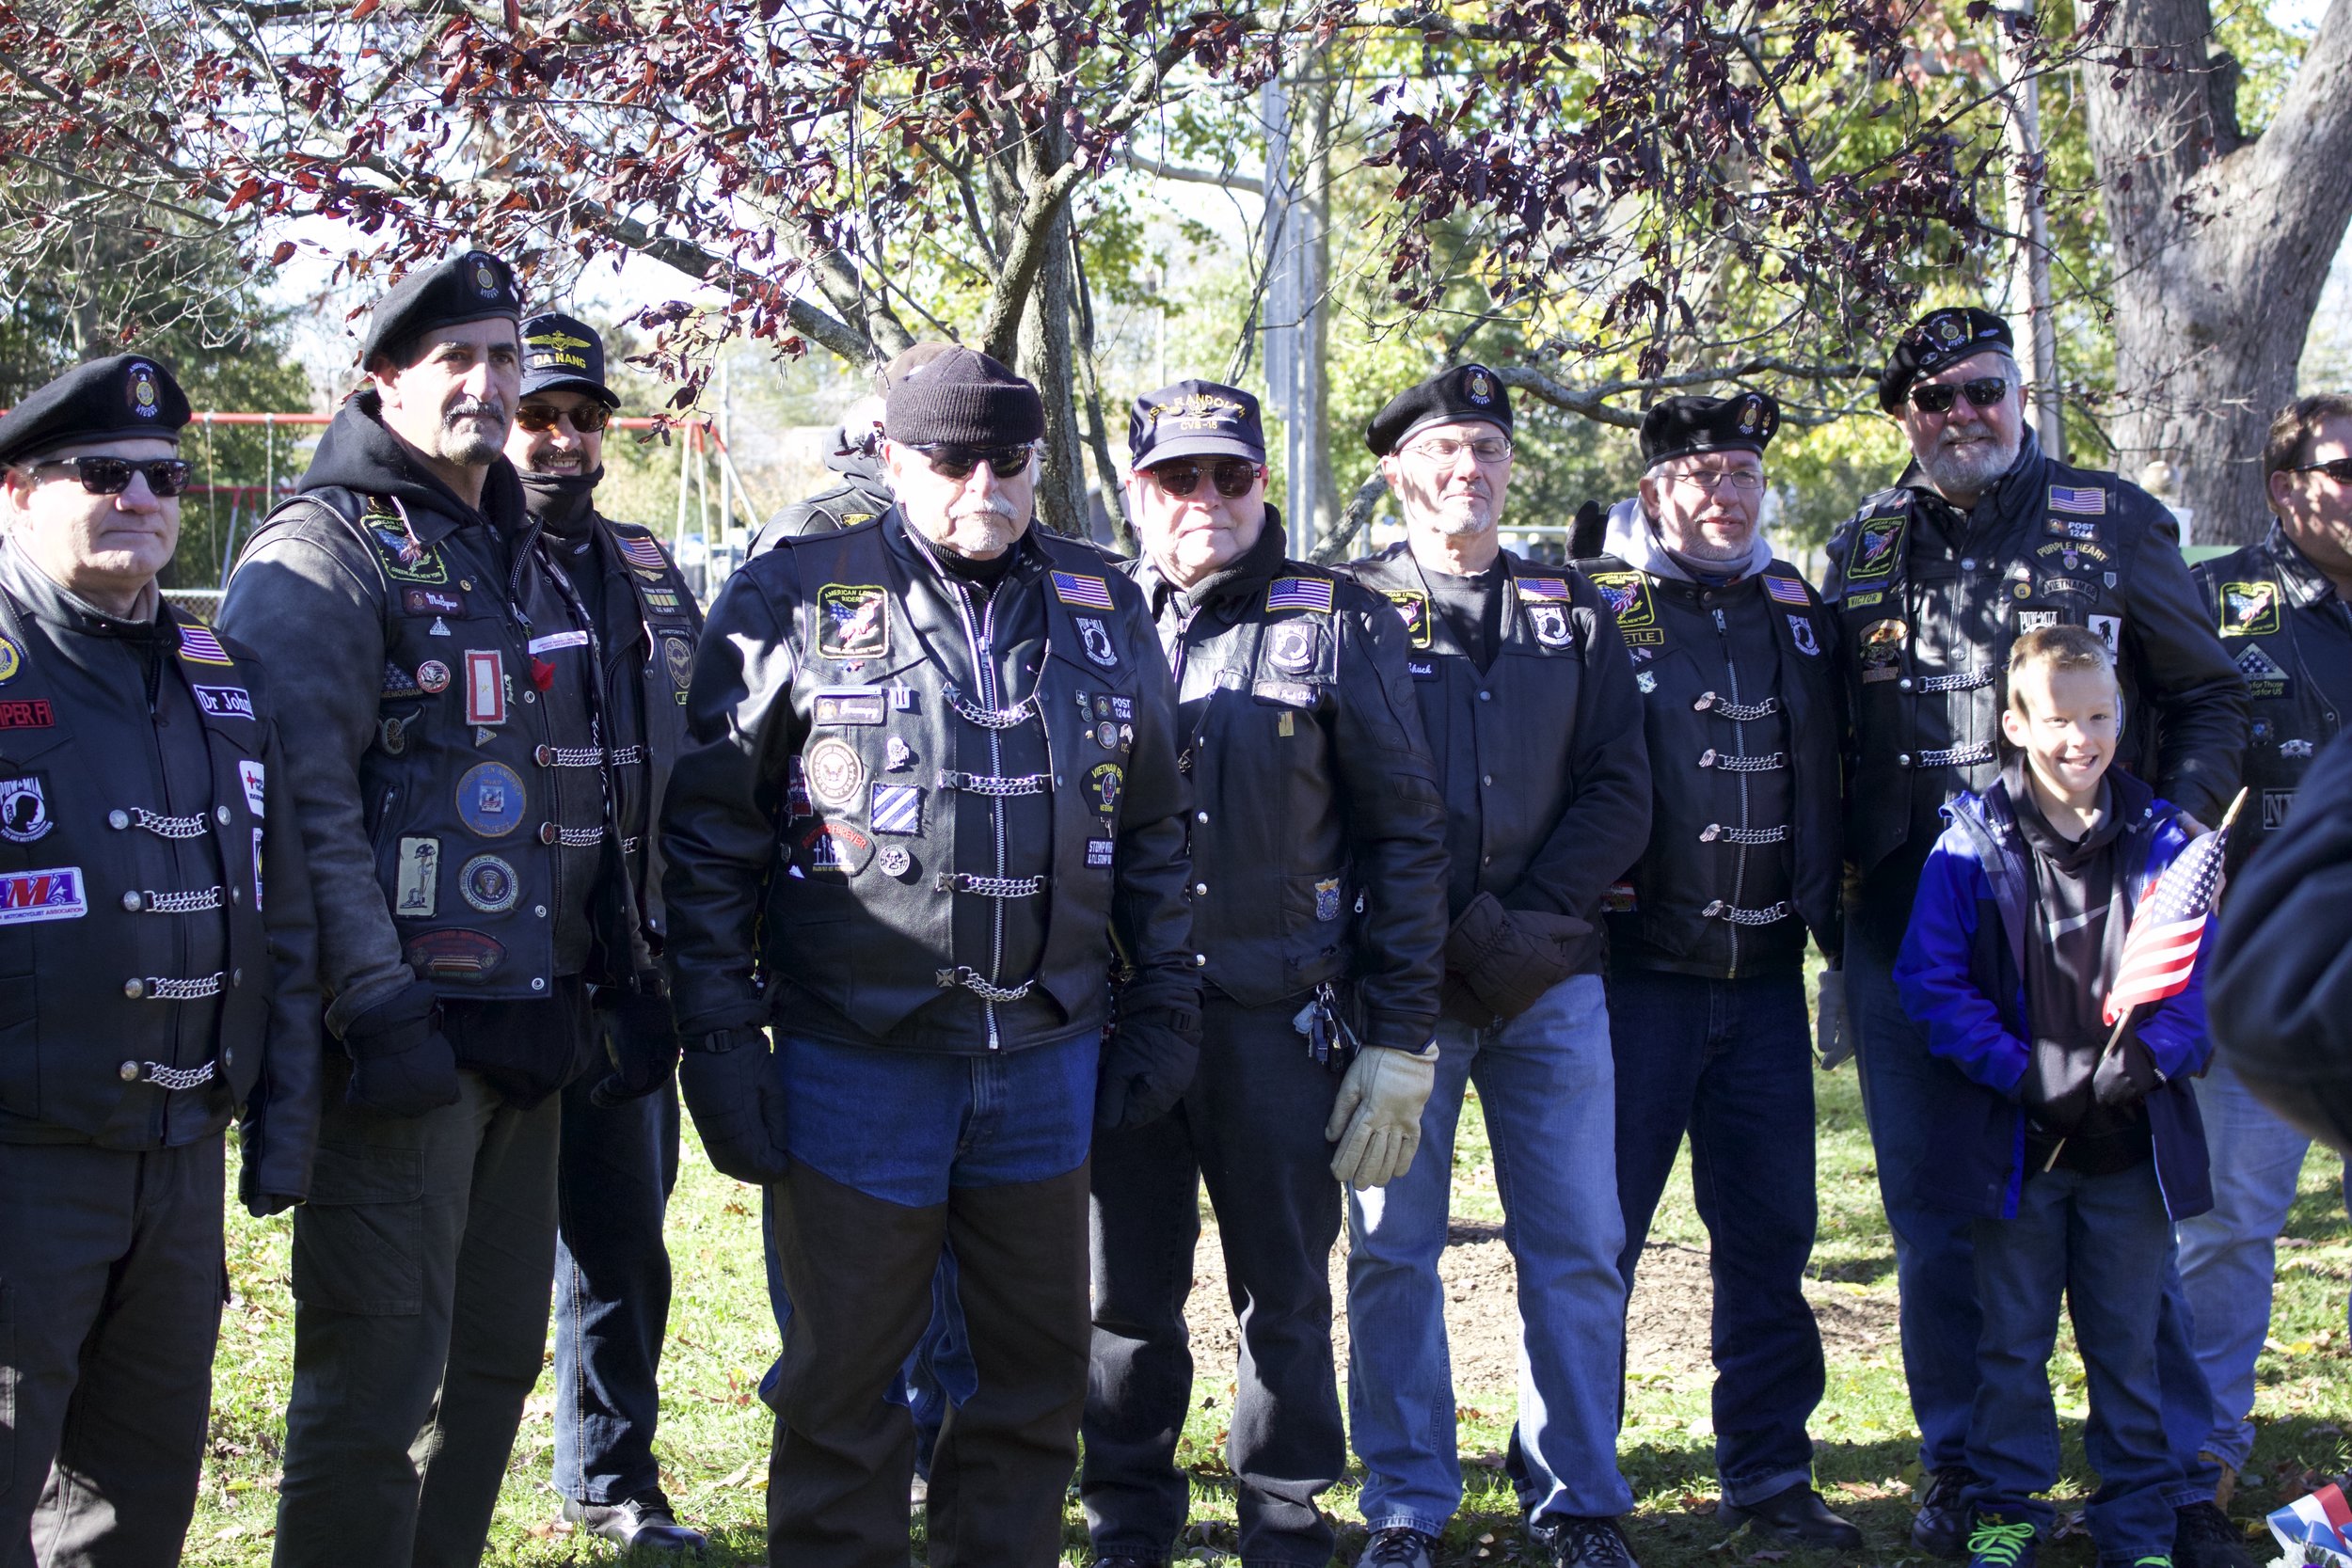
point(1961, 976)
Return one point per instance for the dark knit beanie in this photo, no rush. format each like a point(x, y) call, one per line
point(966, 398)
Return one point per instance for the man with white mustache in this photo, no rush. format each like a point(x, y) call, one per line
point(451, 789)
point(1982, 539)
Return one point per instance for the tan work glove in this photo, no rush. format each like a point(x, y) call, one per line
point(1376, 1119)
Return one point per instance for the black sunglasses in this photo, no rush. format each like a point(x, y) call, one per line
point(2337, 468)
point(1936, 397)
point(1232, 476)
point(954, 460)
point(111, 476)
point(538, 416)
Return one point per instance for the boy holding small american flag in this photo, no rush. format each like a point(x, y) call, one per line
point(2053, 961)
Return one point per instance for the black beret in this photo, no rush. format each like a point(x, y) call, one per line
point(470, 287)
point(1194, 418)
point(1938, 338)
point(1676, 427)
point(564, 354)
point(123, 395)
point(964, 398)
point(1464, 393)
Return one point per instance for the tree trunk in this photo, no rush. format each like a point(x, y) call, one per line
point(2221, 245)
point(1044, 358)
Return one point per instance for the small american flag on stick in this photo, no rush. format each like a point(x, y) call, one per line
point(2160, 950)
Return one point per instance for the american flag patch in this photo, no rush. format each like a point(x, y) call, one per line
point(1786, 589)
point(1300, 593)
point(1544, 588)
point(199, 646)
point(1079, 589)
point(645, 553)
point(2083, 502)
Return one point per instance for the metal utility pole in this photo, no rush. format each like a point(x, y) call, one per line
point(1292, 317)
point(2027, 188)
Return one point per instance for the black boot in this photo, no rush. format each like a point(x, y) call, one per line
point(1793, 1514)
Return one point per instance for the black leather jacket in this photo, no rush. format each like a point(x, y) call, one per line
point(1929, 601)
point(2291, 637)
point(1741, 715)
point(911, 815)
point(157, 942)
point(862, 496)
point(1540, 758)
point(1311, 788)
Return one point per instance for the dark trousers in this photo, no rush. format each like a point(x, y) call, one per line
point(858, 1270)
point(421, 1273)
point(111, 1275)
point(1251, 1130)
point(616, 1171)
point(1731, 1063)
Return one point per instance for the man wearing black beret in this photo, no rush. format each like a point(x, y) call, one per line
point(929, 800)
point(1984, 537)
point(1734, 656)
point(620, 1132)
point(1313, 790)
point(149, 992)
point(456, 796)
point(1534, 720)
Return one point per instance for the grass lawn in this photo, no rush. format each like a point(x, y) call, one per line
point(714, 1434)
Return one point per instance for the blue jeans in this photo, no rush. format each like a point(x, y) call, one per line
point(616, 1168)
point(1731, 1063)
point(1547, 1088)
point(2101, 1243)
point(2228, 1255)
point(1902, 1089)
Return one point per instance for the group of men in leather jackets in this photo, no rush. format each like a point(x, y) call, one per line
point(989, 897)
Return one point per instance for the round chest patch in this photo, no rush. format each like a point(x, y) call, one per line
point(10, 660)
point(490, 800)
point(679, 654)
point(489, 884)
point(1103, 785)
point(835, 772)
point(432, 676)
point(1292, 645)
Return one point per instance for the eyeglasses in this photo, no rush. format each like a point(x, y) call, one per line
point(1232, 476)
point(1982, 393)
point(956, 461)
point(111, 476)
point(538, 418)
point(2337, 468)
point(1486, 449)
point(1745, 481)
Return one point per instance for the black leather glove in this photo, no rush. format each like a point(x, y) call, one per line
point(401, 1063)
point(737, 1100)
point(641, 1039)
point(1148, 1064)
point(2125, 1074)
point(1510, 958)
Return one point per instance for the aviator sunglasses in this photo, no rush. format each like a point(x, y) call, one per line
point(539, 418)
point(956, 461)
point(1983, 392)
point(1232, 476)
point(111, 476)
point(2337, 468)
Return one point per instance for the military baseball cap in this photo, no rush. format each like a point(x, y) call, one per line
point(1678, 427)
point(1938, 338)
point(1463, 393)
point(471, 286)
point(1194, 418)
point(123, 395)
point(565, 353)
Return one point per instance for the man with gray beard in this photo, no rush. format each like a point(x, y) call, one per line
point(1984, 538)
point(454, 801)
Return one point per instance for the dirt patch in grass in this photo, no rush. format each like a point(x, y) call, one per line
point(1666, 1326)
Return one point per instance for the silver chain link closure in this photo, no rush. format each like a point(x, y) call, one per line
point(1738, 916)
point(171, 826)
point(1000, 786)
point(991, 717)
point(159, 989)
point(1716, 833)
point(1725, 762)
point(578, 838)
point(997, 887)
point(971, 980)
point(1967, 680)
point(181, 903)
point(174, 1078)
point(1958, 756)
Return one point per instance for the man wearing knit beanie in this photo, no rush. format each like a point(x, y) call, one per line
point(930, 797)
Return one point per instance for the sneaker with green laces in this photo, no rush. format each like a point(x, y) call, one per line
point(1998, 1542)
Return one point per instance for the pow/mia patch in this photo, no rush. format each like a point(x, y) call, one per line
point(1881, 650)
point(2249, 608)
point(1801, 633)
point(1550, 624)
point(2265, 678)
point(852, 621)
point(2034, 620)
point(1105, 782)
point(1097, 637)
point(835, 772)
point(1878, 543)
point(1291, 644)
point(24, 809)
point(1412, 607)
point(1628, 593)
